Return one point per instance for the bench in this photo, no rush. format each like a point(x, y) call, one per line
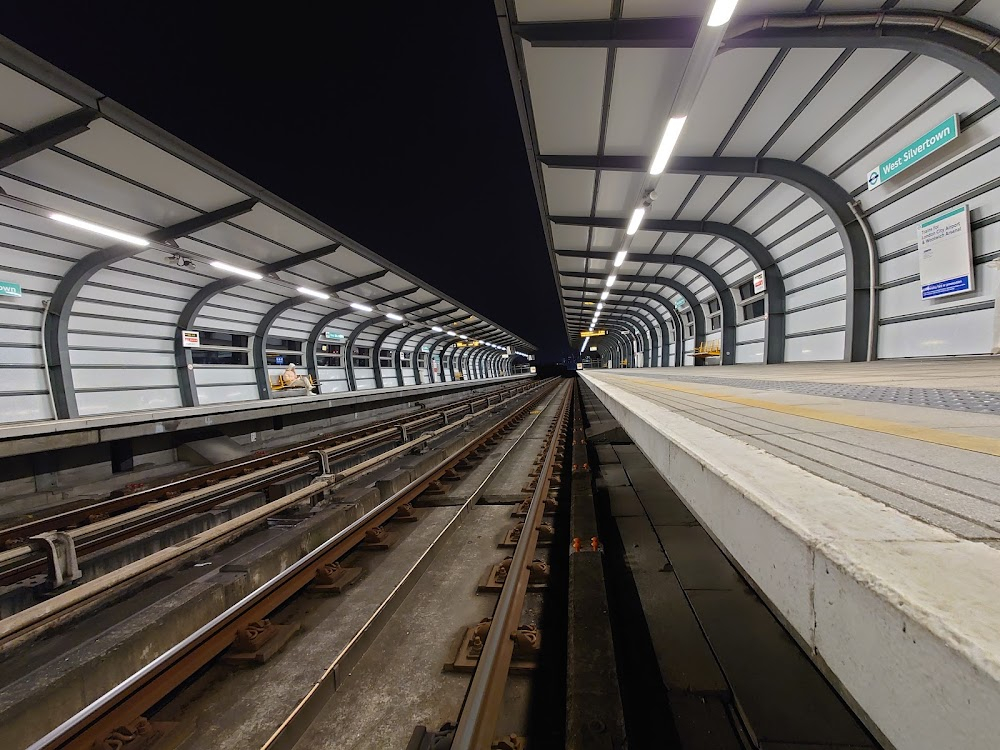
point(277, 385)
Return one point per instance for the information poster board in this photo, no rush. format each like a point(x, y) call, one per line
point(945, 247)
point(190, 339)
point(758, 282)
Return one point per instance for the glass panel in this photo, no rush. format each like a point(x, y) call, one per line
point(219, 357)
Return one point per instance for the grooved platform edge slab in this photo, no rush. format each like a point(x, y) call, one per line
point(903, 616)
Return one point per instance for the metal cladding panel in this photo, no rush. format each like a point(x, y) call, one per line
point(645, 81)
point(750, 331)
point(219, 375)
point(798, 73)
point(823, 346)
point(566, 80)
point(107, 358)
point(933, 337)
point(222, 394)
point(816, 318)
point(828, 289)
point(747, 190)
point(809, 275)
point(122, 327)
point(802, 222)
point(102, 378)
point(750, 353)
point(710, 191)
point(278, 228)
point(120, 151)
point(674, 188)
point(29, 378)
point(740, 272)
point(862, 70)
point(235, 245)
point(726, 89)
point(388, 377)
point(114, 401)
point(905, 299)
point(551, 10)
point(26, 104)
point(24, 408)
point(86, 183)
point(789, 262)
point(82, 343)
point(569, 238)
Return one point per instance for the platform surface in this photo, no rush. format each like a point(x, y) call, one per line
point(863, 501)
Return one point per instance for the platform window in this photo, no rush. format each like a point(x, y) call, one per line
point(361, 356)
point(715, 316)
point(746, 290)
point(286, 345)
point(330, 355)
point(283, 359)
point(422, 360)
point(753, 310)
point(219, 357)
point(217, 338)
point(385, 357)
point(406, 359)
point(688, 323)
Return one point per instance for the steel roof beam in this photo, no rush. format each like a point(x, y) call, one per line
point(45, 136)
point(831, 197)
point(630, 312)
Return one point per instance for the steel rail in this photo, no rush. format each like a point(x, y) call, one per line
point(478, 718)
point(21, 562)
point(165, 673)
point(74, 516)
point(297, 723)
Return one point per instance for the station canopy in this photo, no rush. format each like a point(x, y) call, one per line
point(787, 107)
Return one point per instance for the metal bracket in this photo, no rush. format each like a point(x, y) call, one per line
point(324, 461)
point(61, 551)
point(404, 436)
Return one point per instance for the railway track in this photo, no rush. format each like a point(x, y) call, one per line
point(99, 525)
point(123, 707)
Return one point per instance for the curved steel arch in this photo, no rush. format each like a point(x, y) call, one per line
point(193, 307)
point(774, 287)
point(675, 317)
point(833, 199)
point(627, 324)
point(377, 347)
point(693, 303)
point(630, 314)
point(60, 307)
point(721, 288)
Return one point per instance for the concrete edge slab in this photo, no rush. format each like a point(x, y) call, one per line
point(902, 616)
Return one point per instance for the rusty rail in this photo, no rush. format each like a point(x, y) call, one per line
point(478, 718)
point(168, 671)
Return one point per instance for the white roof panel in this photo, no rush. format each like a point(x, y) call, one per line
point(645, 82)
point(569, 192)
point(26, 104)
point(559, 10)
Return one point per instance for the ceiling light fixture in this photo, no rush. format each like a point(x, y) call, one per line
point(611, 280)
point(98, 229)
point(667, 143)
point(393, 316)
point(234, 269)
point(722, 11)
point(620, 258)
point(604, 294)
point(451, 333)
point(312, 292)
point(437, 329)
point(635, 221)
point(359, 306)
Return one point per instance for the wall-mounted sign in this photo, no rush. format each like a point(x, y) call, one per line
point(945, 247)
point(425, 348)
point(758, 282)
point(680, 303)
point(531, 370)
point(579, 365)
point(921, 148)
point(9, 289)
point(190, 338)
point(590, 334)
point(334, 335)
point(593, 348)
point(510, 350)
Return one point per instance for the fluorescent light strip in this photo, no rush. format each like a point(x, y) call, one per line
point(234, 269)
point(393, 316)
point(437, 329)
point(667, 143)
point(604, 294)
point(451, 333)
point(635, 221)
point(312, 292)
point(600, 305)
point(722, 11)
point(611, 280)
point(359, 306)
point(620, 258)
point(463, 337)
point(98, 229)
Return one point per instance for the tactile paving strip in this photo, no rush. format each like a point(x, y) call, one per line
point(979, 402)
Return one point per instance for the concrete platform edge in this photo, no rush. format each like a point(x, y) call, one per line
point(904, 618)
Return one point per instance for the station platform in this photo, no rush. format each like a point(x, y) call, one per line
point(34, 437)
point(862, 500)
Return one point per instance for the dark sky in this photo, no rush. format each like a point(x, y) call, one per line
point(393, 123)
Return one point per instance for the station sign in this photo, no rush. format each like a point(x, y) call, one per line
point(680, 303)
point(758, 282)
point(531, 370)
point(9, 289)
point(332, 335)
point(921, 148)
point(589, 334)
point(593, 348)
point(945, 247)
point(579, 365)
point(467, 345)
point(190, 339)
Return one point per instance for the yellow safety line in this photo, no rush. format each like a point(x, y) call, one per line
point(974, 443)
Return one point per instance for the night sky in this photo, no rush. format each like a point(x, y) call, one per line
point(393, 123)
